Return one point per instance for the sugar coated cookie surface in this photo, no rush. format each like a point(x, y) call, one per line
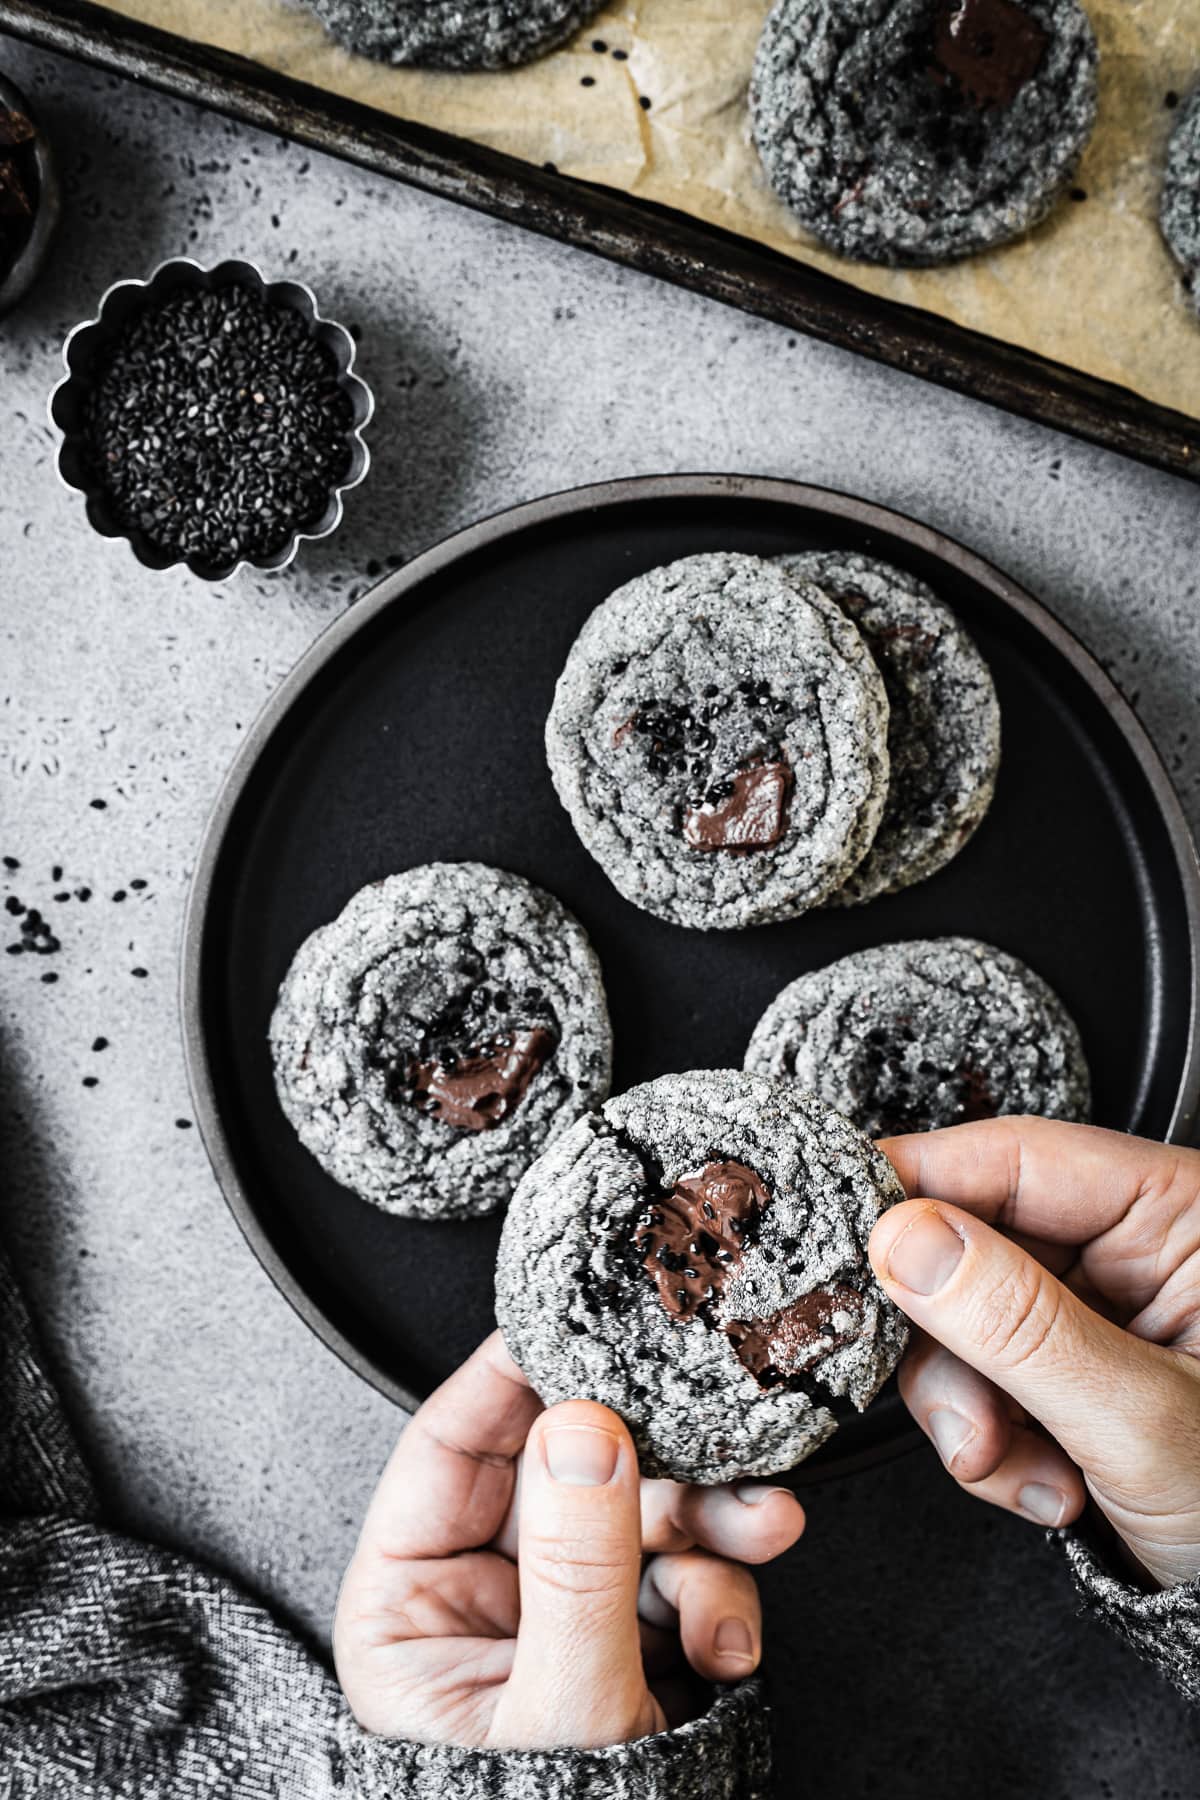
point(1180, 212)
point(939, 1031)
point(719, 738)
point(944, 724)
point(694, 1256)
point(454, 34)
point(437, 1034)
point(917, 131)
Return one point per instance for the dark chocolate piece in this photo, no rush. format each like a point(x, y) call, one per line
point(796, 1337)
point(991, 47)
point(477, 1091)
point(692, 1236)
point(752, 817)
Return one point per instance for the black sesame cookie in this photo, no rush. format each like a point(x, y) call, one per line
point(1180, 210)
point(437, 1034)
point(694, 1256)
point(719, 738)
point(917, 131)
point(454, 34)
point(907, 1037)
point(944, 725)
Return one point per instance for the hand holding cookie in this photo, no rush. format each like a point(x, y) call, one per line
point(501, 1594)
point(1052, 1269)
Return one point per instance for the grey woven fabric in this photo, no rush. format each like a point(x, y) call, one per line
point(1162, 1626)
point(723, 1756)
point(128, 1673)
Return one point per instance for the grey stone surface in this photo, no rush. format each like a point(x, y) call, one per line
point(504, 366)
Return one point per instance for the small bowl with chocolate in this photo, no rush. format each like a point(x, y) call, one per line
point(29, 196)
point(211, 417)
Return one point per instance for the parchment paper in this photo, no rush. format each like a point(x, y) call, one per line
point(1094, 287)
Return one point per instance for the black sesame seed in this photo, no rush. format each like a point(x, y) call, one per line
point(15, 949)
point(120, 894)
point(599, 45)
point(63, 896)
point(10, 862)
point(100, 1043)
point(217, 426)
point(620, 56)
point(1171, 99)
point(49, 977)
point(137, 885)
point(98, 804)
point(14, 906)
point(91, 1081)
point(184, 1124)
point(140, 973)
point(83, 893)
point(56, 873)
point(644, 102)
point(587, 81)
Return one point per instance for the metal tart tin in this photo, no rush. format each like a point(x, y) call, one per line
point(85, 351)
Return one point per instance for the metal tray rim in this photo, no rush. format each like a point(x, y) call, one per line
point(651, 238)
point(491, 530)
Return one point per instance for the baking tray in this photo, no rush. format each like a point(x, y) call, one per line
point(645, 236)
point(412, 732)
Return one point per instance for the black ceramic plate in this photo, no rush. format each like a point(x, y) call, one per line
point(412, 732)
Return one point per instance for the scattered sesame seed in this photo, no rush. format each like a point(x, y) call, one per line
point(184, 1124)
point(138, 884)
point(10, 862)
point(120, 894)
point(56, 872)
point(100, 1043)
point(98, 804)
point(91, 1081)
point(140, 973)
point(49, 976)
point(644, 102)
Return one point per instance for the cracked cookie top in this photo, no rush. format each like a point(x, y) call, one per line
point(943, 724)
point(939, 1031)
point(719, 738)
point(430, 1040)
point(917, 131)
point(694, 1256)
point(454, 34)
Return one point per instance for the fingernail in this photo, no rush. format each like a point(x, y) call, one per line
point(926, 1253)
point(753, 1493)
point(581, 1455)
point(1043, 1504)
point(732, 1638)
point(950, 1433)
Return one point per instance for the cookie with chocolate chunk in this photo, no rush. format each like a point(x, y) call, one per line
point(432, 1039)
point(944, 723)
point(694, 1256)
point(917, 131)
point(1180, 210)
point(719, 738)
point(906, 1037)
point(454, 34)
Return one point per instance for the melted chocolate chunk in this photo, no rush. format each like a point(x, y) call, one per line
point(476, 1091)
point(978, 1100)
point(692, 1236)
point(990, 47)
point(753, 816)
point(792, 1340)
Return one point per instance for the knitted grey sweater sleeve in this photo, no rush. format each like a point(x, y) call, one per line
point(1162, 1626)
point(724, 1755)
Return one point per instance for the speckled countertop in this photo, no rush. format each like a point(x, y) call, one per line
point(926, 1645)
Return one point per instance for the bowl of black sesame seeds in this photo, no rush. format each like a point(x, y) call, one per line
point(211, 417)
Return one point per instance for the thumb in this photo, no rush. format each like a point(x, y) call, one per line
point(577, 1675)
point(1108, 1397)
